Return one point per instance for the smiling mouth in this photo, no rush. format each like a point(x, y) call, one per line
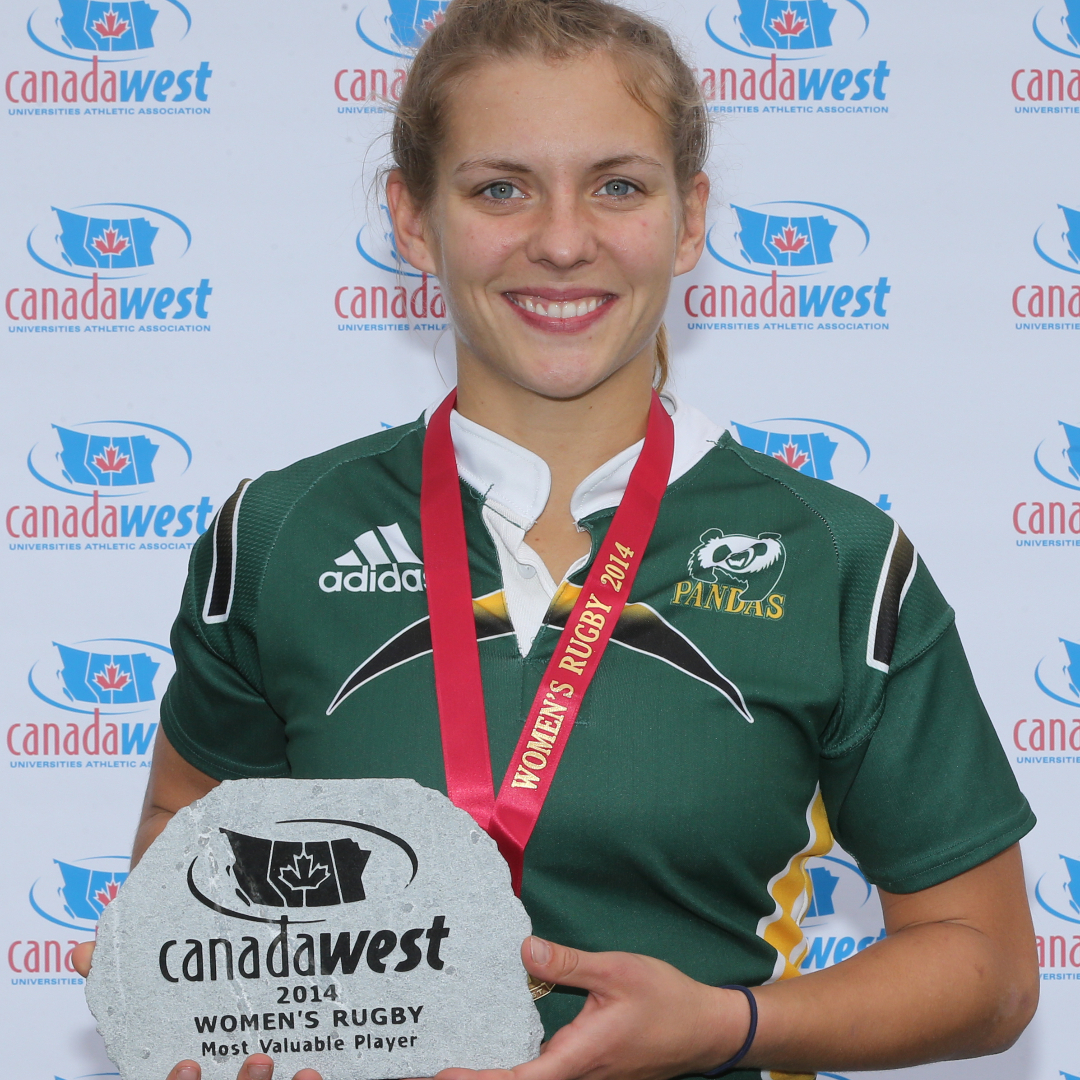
point(558, 309)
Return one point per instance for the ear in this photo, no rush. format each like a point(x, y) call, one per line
point(691, 241)
point(711, 534)
point(411, 234)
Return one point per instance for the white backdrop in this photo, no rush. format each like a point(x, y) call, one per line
point(909, 171)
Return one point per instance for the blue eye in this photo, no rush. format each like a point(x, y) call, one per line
point(501, 190)
point(618, 188)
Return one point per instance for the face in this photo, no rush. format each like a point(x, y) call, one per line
point(556, 225)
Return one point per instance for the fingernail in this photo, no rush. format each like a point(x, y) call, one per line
point(259, 1071)
point(540, 950)
point(188, 1072)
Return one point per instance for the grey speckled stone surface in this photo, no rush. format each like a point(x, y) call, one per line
point(388, 864)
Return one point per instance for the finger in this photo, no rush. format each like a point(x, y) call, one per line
point(548, 962)
point(256, 1067)
point(81, 957)
point(569, 1058)
point(307, 1074)
point(185, 1070)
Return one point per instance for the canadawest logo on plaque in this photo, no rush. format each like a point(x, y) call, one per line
point(363, 928)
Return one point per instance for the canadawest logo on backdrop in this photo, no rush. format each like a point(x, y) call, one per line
point(389, 28)
point(394, 296)
point(842, 918)
point(1048, 739)
point(398, 27)
point(70, 895)
point(808, 56)
point(1053, 519)
point(102, 677)
point(91, 249)
point(97, 689)
point(801, 266)
point(1054, 305)
point(74, 894)
point(1054, 88)
point(813, 447)
point(1057, 894)
point(103, 33)
point(105, 466)
point(1058, 676)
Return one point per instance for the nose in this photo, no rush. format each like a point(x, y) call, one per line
point(563, 233)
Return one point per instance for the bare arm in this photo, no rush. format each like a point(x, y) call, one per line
point(956, 977)
point(173, 784)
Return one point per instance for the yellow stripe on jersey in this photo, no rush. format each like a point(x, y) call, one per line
point(791, 890)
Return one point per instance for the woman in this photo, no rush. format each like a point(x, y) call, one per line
point(784, 672)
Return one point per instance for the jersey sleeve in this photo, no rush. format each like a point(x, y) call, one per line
point(915, 780)
point(214, 711)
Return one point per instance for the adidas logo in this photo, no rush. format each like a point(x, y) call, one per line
point(384, 546)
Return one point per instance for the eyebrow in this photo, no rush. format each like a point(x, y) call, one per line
point(504, 165)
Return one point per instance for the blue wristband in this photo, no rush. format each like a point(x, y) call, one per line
point(748, 1042)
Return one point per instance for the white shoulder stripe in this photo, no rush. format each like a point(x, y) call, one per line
point(222, 584)
point(897, 574)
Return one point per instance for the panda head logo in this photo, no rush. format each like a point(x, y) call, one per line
point(752, 563)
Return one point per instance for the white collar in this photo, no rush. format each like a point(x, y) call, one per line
point(519, 481)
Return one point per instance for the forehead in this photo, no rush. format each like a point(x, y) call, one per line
point(547, 114)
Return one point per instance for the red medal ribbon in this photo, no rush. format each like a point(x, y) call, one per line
point(511, 818)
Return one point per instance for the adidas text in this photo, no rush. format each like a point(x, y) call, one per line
point(367, 579)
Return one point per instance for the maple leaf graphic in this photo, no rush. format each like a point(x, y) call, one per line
point(108, 894)
point(112, 27)
point(430, 24)
point(791, 25)
point(304, 873)
point(111, 461)
point(112, 678)
point(110, 243)
point(793, 456)
point(790, 240)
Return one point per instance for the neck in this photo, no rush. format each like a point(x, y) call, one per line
point(574, 436)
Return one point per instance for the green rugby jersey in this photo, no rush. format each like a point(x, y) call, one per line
point(785, 672)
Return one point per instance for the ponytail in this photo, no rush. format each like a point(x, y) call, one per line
point(662, 358)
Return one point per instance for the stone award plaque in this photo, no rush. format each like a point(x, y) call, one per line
point(363, 928)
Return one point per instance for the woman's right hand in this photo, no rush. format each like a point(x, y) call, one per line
point(256, 1067)
point(82, 957)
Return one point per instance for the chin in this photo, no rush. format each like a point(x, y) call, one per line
point(569, 379)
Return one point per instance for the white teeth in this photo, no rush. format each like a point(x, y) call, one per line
point(554, 309)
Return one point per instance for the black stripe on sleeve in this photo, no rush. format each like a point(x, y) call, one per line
point(219, 592)
point(900, 568)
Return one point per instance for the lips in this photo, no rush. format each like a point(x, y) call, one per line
point(560, 310)
point(567, 308)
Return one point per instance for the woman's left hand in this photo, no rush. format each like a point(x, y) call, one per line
point(643, 1020)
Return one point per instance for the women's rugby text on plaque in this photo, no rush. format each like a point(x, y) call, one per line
point(363, 928)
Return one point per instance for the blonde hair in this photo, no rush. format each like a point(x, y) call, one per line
point(472, 31)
